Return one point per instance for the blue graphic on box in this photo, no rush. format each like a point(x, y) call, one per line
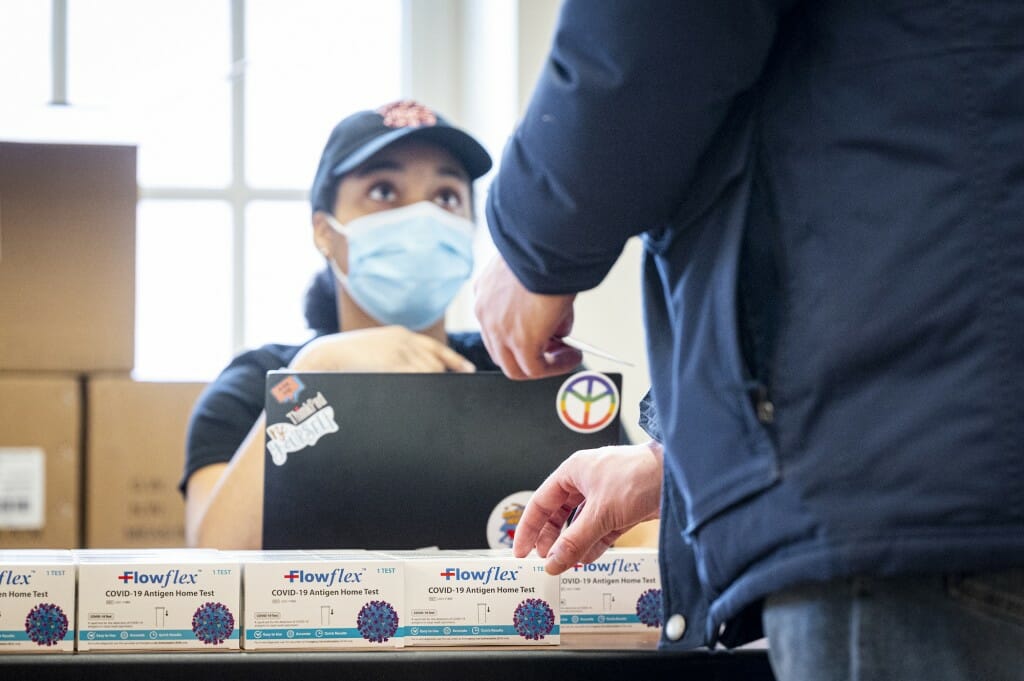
point(143, 635)
point(603, 618)
point(46, 624)
point(311, 633)
point(648, 607)
point(213, 623)
point(469, 630)
point(21, 635)
point(377, 621)
point(533, 619)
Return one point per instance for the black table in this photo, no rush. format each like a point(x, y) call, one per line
point(593, 658)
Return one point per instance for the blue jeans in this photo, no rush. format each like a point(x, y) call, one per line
point(934, 628)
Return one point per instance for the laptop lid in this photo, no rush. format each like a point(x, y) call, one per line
point(395, 461)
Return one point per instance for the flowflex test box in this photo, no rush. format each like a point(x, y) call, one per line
point(37, 601)
point(457, 598)
point(158, 600)
point(322, 600)
point(619, 592)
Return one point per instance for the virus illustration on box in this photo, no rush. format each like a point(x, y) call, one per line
point(648, 607)
point(46, 624)
point(213, 623)
point(533, 619)
point(377, 621)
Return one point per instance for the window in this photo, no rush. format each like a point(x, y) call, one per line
point(183, 287)
point(161, 72)
point(230, 103)
point(22, 25)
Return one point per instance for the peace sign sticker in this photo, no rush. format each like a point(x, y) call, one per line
point(587, 402)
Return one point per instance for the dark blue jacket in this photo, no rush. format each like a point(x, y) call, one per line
point(831, 195)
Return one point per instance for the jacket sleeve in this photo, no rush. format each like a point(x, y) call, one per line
point(628, 101)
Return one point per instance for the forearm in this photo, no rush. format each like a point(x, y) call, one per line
point(226, 510)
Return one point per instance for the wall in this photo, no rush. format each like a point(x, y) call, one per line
point(484, 80)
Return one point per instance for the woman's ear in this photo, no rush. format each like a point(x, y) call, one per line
point(322, 233)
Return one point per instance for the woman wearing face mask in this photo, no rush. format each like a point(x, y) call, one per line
point(392, 211)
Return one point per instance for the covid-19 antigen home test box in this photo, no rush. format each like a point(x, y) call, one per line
point(37, 601)
point(463, 598)
point(158, 600)
point(618, 592)
point(322, 600)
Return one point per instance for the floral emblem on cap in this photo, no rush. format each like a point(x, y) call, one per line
point(406, 113)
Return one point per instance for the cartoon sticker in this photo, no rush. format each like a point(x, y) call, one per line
point(287, 390)
point(310, 421)
point(587, 402)
point(502, 523)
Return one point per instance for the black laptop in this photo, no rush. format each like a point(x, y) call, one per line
point(401, 461)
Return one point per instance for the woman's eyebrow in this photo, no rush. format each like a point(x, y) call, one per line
point(387, 164)
point(374, 166)
point(453, 171)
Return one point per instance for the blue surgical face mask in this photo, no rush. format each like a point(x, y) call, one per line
point(405, 265)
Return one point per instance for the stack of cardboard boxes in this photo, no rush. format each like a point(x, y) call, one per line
point(88, 457)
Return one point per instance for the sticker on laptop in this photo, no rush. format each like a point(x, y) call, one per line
point(287, 389)
point(307, 423)
point(587, 402)
point(501, 525)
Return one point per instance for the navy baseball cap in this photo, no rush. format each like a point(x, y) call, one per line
point(363, 134)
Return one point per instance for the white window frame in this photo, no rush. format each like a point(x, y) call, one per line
point(466, 77)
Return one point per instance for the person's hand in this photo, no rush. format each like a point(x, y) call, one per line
point(387, 348)
point(612, 489)
point(521, 329)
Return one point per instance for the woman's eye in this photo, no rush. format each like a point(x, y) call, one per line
point(382, 191)
point(448, 199)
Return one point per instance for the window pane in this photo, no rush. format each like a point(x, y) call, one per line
point(183, 290)
point(25, 42)
point(280, 262)
point(160, 71)
point(310, 64)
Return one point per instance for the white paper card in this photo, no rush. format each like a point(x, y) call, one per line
point(22, 488)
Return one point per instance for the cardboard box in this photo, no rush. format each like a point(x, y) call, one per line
point(40, 445)
point(37, 601)
point(323, 600)
point(619, 592)
point(158, 600)
point(478, 598)
point(67, 257)
point(135, 453)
